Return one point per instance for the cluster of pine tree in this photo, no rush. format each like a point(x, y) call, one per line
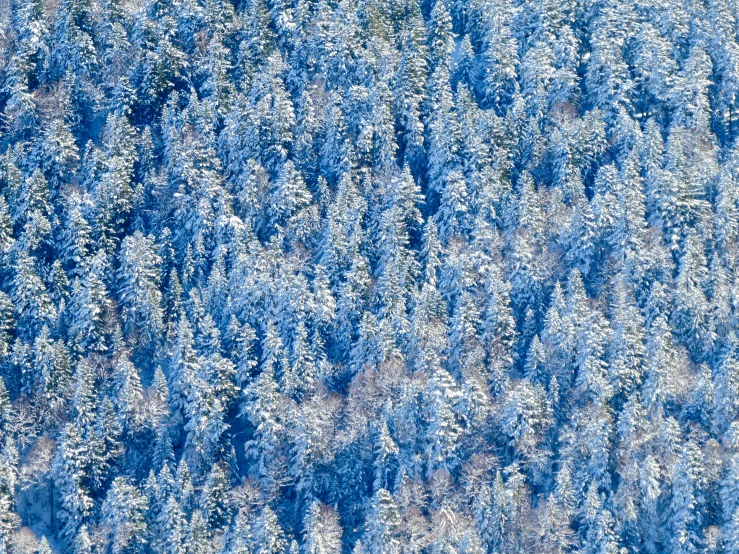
point(369, 276)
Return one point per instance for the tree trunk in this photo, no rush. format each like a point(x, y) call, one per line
point(51, 506)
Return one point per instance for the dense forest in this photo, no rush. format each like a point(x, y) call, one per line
point(369, 276)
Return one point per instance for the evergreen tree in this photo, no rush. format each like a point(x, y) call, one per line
point(690, 317)
point(70, 480)
point(123, 510)
point(138, 287)
point(382, 529)
point(322, 530)
point(269, 538)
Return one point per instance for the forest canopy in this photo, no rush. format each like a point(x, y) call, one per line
point(369, 276)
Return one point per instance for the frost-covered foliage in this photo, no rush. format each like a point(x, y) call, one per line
point(369, 276)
